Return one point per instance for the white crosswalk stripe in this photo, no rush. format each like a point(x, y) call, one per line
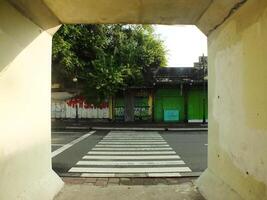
point(130, 169)
point(133, 145)
point(129, 163)
point(168, 157)
point(133, 138)
point(132, 142)
point(110, 175)
point(133, 149)
point(131, 154)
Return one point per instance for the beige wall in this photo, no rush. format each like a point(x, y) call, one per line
point(238, 107)
point(25, 154)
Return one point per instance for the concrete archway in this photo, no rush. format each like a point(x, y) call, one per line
point(237, 37)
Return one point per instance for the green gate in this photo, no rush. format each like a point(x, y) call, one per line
point(119, 108)
point(141, 109)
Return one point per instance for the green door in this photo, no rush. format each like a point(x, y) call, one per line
point(168, 99)
point(196, 100)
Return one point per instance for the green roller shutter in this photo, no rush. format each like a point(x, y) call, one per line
point(168, 99)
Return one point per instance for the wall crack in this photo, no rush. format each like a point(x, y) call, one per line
point(230, 13)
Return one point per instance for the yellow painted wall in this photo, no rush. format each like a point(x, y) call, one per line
point(237, 155)
point(25, 138)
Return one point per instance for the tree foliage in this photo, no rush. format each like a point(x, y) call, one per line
point(105, 58)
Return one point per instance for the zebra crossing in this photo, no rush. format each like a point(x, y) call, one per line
point(131, 154)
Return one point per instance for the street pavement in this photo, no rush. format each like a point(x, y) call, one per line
point(105, 153)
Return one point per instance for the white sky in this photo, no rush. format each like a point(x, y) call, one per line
point(183, 43)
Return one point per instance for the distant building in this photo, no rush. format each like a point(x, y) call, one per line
point(177, 91)
point(177, 94)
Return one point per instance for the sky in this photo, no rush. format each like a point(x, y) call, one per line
point(184, 44)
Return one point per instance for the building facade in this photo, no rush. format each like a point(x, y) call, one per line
point(174, 95)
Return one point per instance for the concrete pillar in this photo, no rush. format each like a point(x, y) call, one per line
point(237, 155)
point(237, 29)
point(25, 138)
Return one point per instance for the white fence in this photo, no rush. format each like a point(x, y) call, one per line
point(63, 109)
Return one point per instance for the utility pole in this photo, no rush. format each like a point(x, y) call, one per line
point(75, 80)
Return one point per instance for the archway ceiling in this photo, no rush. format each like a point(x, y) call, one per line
point(206, 14)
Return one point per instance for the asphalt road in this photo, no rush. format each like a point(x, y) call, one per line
point(70, 147)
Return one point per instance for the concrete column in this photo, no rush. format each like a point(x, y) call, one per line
point(25, 138)
point(237, 155)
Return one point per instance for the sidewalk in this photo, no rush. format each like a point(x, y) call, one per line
point(106, 125)
point(129, 188)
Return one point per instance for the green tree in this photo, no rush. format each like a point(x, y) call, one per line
point(105, 58)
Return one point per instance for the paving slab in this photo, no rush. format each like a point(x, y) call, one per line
point(114, 180)
point(90, 180)
point(181, 191)
point(102, 183)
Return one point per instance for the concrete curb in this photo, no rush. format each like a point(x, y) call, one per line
point(87, 128)
point(182, 175)
point(147, 129)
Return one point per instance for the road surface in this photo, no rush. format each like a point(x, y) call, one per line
point(105, 153)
